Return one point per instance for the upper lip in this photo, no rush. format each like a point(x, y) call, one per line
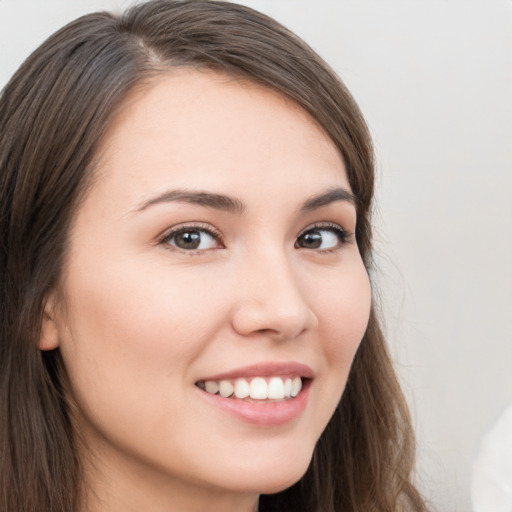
point(265, 369)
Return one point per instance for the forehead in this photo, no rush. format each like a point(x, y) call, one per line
point(200, 128)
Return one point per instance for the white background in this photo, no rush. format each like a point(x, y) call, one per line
point(434, 79)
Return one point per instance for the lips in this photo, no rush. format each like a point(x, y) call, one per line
point(270, 369)
point(264, 394)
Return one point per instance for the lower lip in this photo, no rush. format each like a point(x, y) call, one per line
point(265, 414)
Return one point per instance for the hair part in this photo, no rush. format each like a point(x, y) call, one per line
point(53, 115)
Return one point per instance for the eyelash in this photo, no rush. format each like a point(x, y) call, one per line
point(343, 236)
point(203, 228)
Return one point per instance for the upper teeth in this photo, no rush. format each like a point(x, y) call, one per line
point(257, 388)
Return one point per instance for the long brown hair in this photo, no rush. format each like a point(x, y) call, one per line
point(53, 113)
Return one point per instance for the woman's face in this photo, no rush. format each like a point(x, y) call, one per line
point(215, 249)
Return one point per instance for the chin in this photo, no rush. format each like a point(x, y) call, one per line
point(271, 476)
point(278, 485)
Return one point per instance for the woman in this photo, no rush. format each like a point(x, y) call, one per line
point(187, 320)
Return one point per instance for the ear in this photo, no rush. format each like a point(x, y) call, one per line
point(49, 336)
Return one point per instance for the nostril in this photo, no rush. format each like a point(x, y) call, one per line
point(272, 300)
point(252, 318)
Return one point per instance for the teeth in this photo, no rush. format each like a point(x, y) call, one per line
point(242, 388)
point(225, 388)
point(276, 388)
point(211, 386)
point(296, 386)
point(258, 388)
point(288, 388)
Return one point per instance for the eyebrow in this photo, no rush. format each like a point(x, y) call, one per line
point(207, 199)
point(236, 206)
point(325, 198)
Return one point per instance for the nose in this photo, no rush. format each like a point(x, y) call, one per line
point(271, 301)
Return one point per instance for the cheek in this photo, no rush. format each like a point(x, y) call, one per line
point(130, 343)
point(131, 336)
point(342, 306)
point(344, 312)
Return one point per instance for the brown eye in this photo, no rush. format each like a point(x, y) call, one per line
point(312, 240)
point(323, 239)
point(190, 239)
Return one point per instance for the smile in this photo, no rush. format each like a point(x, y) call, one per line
point(266, 394)
point(256, 388)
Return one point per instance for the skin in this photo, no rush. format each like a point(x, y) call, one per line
point(140, 320)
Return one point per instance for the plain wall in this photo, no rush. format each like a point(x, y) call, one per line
point(434, 79)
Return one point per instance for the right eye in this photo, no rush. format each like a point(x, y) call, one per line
point(192, 239)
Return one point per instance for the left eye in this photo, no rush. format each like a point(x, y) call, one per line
point(191, 239)
point(322, 238)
